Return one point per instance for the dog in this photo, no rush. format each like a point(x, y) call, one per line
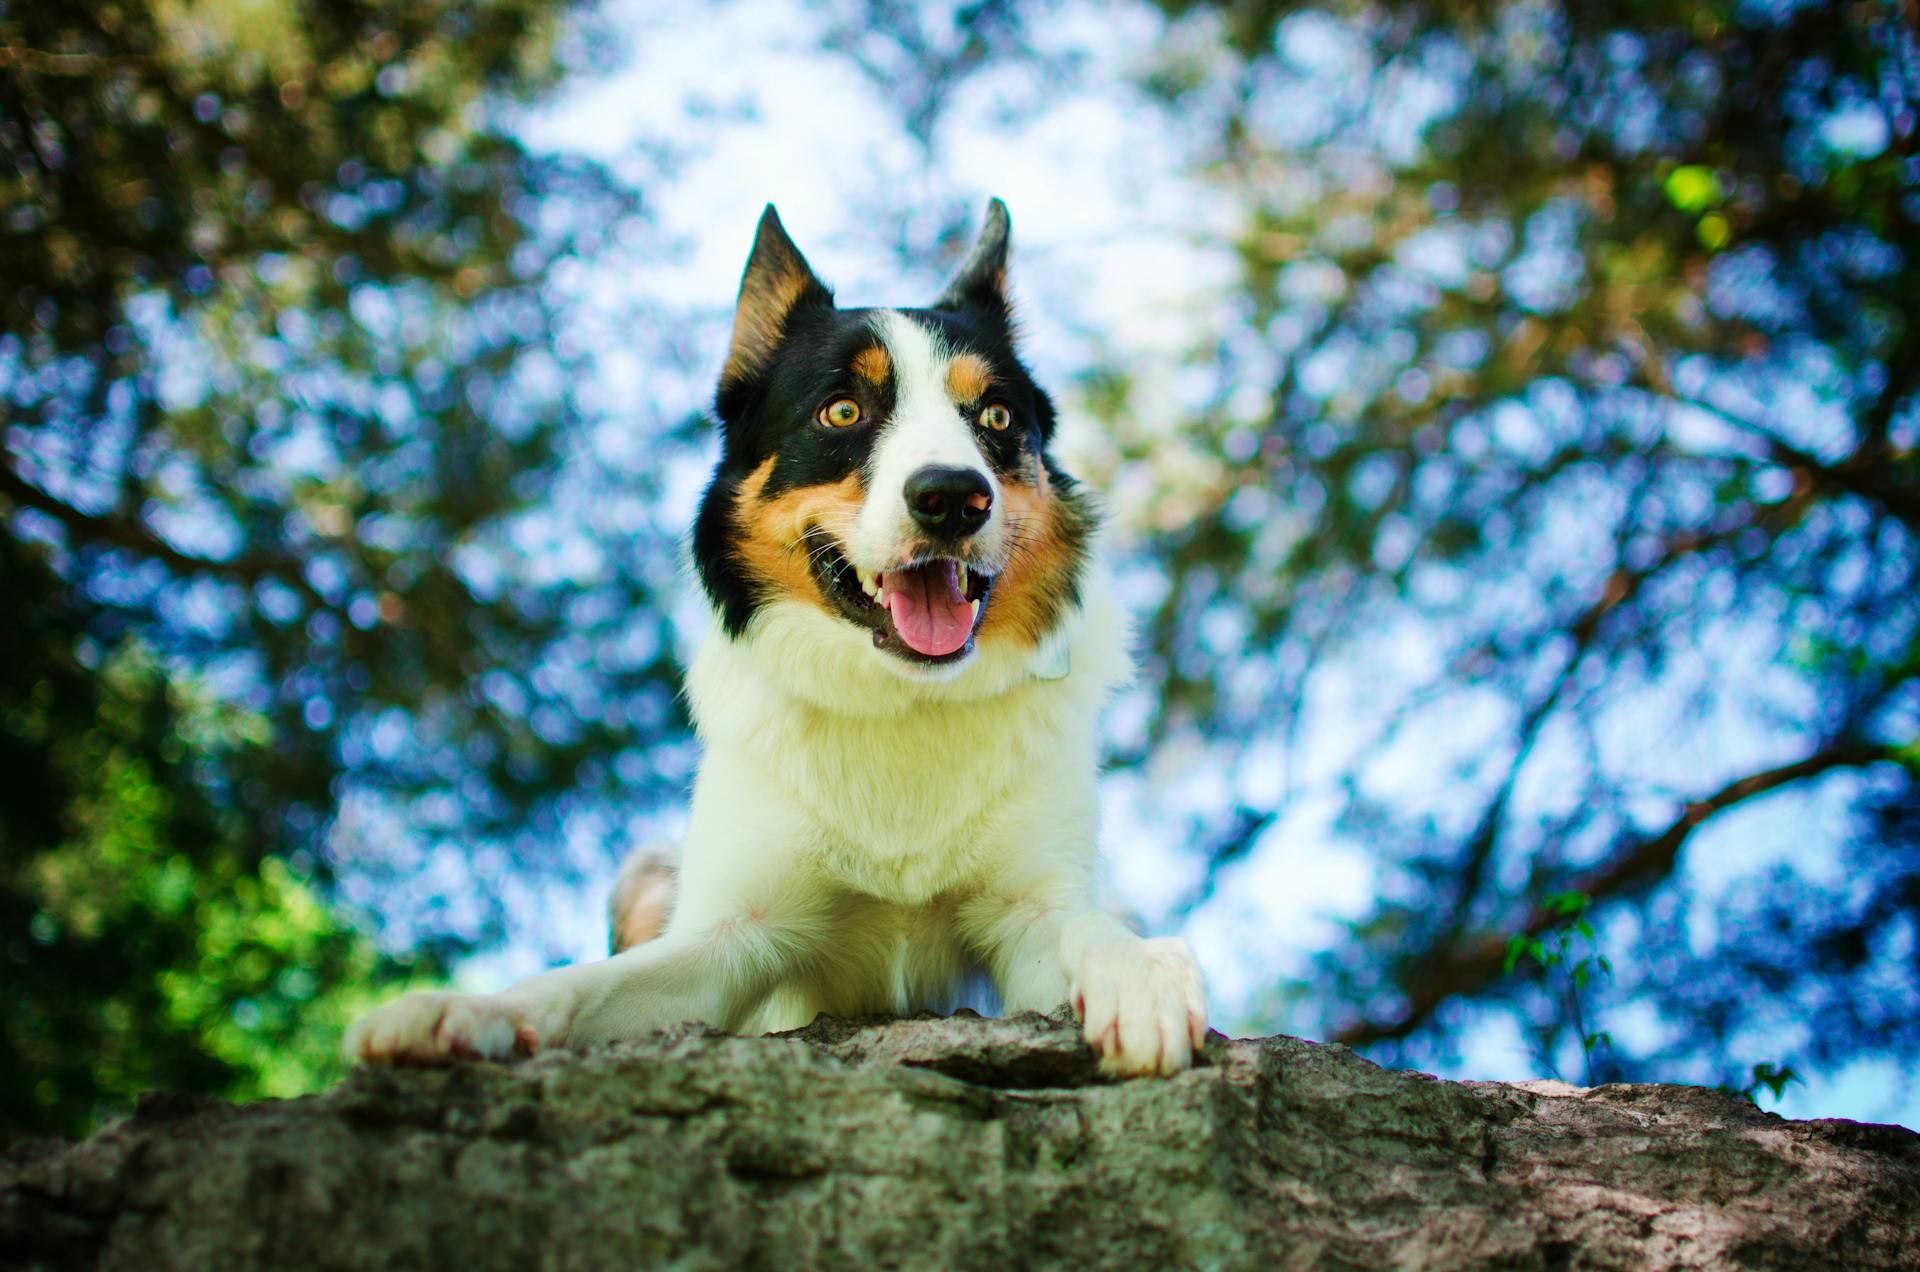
point(912, 640)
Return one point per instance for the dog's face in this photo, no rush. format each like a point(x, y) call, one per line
point(888, 468)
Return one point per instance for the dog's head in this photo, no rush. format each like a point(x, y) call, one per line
point(886, 471)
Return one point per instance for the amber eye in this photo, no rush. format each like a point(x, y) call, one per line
point(996, 417)
point(840, 413)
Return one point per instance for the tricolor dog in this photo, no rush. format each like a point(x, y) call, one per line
point(912, 642)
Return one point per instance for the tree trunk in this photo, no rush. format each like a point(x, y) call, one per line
point(961, 1143)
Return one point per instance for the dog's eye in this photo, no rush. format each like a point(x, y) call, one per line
point(996, 416)
point(840, 413)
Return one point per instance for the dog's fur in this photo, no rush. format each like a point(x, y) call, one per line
point(872, 820)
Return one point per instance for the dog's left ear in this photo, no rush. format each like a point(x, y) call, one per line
point(982, 281)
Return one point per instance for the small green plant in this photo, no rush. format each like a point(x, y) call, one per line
point(1560, 945)
point(1773, 1078)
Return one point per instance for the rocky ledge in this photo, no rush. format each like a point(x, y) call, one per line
point(960, 1142)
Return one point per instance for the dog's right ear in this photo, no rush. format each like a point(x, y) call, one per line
point(778, 281)
point(982, 281)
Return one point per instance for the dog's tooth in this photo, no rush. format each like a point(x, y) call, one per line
point(976, 611)
point(868, 583)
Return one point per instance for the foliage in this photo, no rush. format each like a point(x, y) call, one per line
point(284, 398)
point(286, 393)
point(148, 942)
point(1774, 1079)
point(1569, 399)
point(1570, 945)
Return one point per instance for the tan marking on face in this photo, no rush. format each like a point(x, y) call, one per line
point(967, 378)
point(1027, 596)
point(873, 365)
point(761, 319)
point(771, 540)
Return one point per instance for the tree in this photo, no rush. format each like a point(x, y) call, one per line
point(1585, 434)
point(149, 943)
point(284, 396)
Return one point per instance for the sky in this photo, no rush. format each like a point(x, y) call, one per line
point(1119, 247)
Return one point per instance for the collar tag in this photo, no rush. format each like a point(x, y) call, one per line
point(1055, 665)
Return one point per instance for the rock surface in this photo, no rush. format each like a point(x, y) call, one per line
point(961, 1143)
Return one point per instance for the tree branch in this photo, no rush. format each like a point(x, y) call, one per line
point(123, 532)
point(1443, 974)
point(1866, 472)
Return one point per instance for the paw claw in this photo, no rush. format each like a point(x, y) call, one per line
point(438, 1028)
point(1142, 1006)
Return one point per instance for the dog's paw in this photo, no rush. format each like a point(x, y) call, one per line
point(1143, 1006)
point(439, 1028)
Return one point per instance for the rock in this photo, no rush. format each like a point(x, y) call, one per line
point(960, 1142)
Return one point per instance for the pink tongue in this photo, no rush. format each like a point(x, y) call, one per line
point(929, 609)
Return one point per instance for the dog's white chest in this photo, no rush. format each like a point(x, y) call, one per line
point(897, 791)
point(899, 807)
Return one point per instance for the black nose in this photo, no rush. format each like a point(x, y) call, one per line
point(950, 502)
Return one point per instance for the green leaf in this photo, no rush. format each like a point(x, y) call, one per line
point(1693, 188)
point(1566, 904)
point(1774, 1078)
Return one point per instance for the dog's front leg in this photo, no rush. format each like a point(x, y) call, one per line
point(717, 974)
point(1142, 1003)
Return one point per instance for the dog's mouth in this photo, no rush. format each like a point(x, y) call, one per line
point(926, 611)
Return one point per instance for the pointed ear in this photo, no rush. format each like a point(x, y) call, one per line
point(982, 281)
point(778, 281)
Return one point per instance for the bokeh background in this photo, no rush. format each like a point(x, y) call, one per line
point(1507, 413)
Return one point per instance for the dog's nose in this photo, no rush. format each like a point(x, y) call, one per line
point(949, 502)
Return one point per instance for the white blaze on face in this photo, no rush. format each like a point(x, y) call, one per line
point(927, 427)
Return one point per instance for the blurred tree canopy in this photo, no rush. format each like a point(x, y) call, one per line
point(149, 942)
point(283, 397)
point(1572, 394)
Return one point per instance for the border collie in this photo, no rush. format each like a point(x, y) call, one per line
point(913, 640)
